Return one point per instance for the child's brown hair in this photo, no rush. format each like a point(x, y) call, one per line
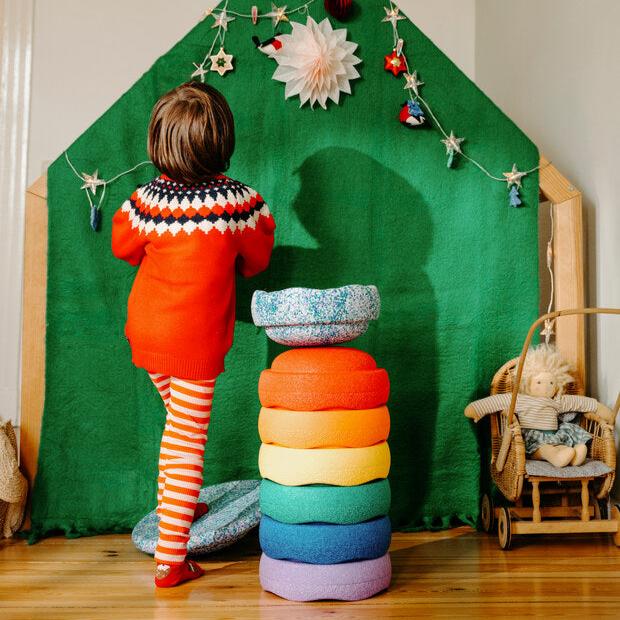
point(191, 134)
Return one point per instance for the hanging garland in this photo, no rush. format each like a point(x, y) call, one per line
point(91, 184)
point(412, 115)
point(315, 61)
point(332, 55)
point(222, 62)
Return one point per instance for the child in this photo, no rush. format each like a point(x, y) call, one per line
point(188, 230)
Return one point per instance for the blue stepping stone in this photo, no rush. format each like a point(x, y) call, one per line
point(325, 543)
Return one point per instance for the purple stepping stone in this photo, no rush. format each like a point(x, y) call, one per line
point(351, 581)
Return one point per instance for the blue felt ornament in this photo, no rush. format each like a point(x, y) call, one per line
point(513, 197)
point(95, 217)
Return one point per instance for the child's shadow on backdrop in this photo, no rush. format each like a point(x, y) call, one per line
point(372, 228)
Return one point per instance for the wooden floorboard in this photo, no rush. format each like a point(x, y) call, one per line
point(454, 574)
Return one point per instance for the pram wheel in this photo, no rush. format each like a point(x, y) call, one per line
point(504, 533)
point(487, 514)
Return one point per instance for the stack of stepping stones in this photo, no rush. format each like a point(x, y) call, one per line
point(324, 458)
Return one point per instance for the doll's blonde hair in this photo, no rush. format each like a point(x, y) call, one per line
point(546, 358)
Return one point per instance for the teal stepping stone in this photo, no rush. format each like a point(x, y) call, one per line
point(324, 503)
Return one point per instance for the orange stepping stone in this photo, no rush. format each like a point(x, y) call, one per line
point(312, 379)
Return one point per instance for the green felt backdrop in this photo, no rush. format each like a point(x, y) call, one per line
point(358, 198)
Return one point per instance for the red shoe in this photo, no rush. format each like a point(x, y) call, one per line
point(170, 575)
point(201, 510)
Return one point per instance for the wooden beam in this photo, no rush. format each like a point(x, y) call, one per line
point(564, 527)
point(33, 326)
point(568, 263)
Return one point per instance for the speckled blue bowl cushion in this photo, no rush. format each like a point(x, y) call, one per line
point(233, 512)
point(313, 317)
point(325, 543)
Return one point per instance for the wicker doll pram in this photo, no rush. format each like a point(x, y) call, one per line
point(576, 498)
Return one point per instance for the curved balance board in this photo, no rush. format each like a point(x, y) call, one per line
point(310, 317)
point(351, 581)
point(338, 466)
point(324, 378)
point(233, 512)
point(331, 428)
point(325, 543)
point(325, 503)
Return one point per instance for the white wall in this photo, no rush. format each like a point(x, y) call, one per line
point(552, 65)
point(86, 54)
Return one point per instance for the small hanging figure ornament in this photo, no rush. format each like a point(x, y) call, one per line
point(269, 46)
point(453, 146)
point(513, 197)
point(395, 63)
point(340, 9)
point(411, 114)
point(95, 217)
point(254, 14)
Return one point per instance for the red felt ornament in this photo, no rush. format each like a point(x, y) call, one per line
point(395, 63)
point(340, 9)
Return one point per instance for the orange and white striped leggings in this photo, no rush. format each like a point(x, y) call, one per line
point(181, 459)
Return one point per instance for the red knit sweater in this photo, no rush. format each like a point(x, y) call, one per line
point(188, 239)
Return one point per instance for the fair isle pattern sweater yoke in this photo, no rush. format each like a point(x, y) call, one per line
point(219, 204)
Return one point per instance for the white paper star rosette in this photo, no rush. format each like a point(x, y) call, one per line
point(316, 62)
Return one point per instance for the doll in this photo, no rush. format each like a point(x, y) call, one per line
point(544, 412)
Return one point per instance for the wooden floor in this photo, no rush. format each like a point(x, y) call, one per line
point(451, 574)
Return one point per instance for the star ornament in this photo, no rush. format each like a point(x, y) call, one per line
point(547, 331)
point(221, 20)
point(514, 176)
point(277, 14)
point(200, 72)
point(221, 62)
point(412, 82)
point(452, 143)
point(395, 63)
point(392, 15)
point(92, 181)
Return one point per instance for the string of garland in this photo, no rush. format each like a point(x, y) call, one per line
point(91, 184)
point(412, 114)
